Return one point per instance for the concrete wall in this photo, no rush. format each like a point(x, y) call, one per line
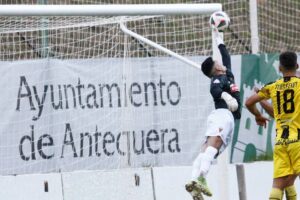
point(161, 183)
point(31, 187)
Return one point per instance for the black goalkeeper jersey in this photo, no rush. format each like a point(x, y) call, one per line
point(225, 83)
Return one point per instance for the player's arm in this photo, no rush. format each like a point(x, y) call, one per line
point(265, 105)
point(223, 50)
point(225, 56)
point(251, 106)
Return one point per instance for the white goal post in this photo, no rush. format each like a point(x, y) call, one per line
point(119, 10)
point(108, 10)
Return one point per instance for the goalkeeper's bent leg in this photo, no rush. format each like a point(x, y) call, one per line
point(206, 161)
point(207, 158)
point(290, 193)
point(276, 194)
point(196, 167)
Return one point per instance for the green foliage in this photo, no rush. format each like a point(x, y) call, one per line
point(264, 157)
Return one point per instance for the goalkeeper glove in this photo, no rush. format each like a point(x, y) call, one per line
point(218, 37)
point(231, 102)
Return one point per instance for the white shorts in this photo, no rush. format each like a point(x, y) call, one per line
point(220, 122)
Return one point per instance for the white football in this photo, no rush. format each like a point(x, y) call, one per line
point(219, 20)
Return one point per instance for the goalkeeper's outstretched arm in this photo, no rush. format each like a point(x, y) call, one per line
point(225, 56)
point(223, 50)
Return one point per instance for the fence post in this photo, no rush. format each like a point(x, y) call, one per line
point(254, 26)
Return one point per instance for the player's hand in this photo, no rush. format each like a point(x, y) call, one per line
point(256, 90)
point(261, 120)
point(231, 102)
point(215, 30)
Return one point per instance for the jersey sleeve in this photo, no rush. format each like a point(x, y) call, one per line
point(265, 92)
point(225, 57)
point(226, 62)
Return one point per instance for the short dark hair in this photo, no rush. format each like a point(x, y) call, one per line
point(207, 66)
point(288, 60)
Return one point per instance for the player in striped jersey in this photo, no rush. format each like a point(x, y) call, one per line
point(285, 96)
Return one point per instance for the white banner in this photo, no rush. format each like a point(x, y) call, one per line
point(100, 114)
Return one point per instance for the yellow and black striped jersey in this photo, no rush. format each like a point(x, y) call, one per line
point(285, 96)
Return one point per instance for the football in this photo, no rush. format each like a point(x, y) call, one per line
point(219, 20)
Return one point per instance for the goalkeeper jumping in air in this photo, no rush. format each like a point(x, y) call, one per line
point(220, 122)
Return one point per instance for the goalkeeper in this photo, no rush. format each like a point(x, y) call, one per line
point(220, 122)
